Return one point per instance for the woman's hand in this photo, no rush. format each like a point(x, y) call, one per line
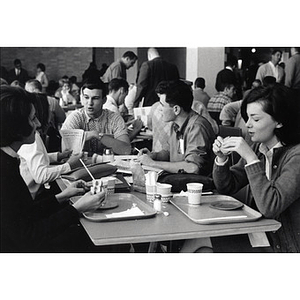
point(74, 189)
point(64, 154)
point(89, 202)
point(218, 149)
point(239, 145)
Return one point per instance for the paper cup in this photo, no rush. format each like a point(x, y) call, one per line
point(150, 192)
point(163, 188)
point(194, 192)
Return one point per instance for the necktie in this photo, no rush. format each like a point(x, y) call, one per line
point(93, 142)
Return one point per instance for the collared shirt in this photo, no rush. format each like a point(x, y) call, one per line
point(109, 123)
point(35, 166)
point(217, 102)
point(275, 70)
point(111, 104)
point(192, 142)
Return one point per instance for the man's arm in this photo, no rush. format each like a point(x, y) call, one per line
point(120, 145)
point(229, 112)
point(170, 167)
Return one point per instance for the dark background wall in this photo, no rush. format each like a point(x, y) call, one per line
point(59, 61)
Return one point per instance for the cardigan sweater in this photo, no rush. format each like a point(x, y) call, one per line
point(28, 225)
point(277, 198)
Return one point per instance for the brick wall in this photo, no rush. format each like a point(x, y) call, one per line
point(59, 61)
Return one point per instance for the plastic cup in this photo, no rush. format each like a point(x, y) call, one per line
point(163, 189)
point(194, 192)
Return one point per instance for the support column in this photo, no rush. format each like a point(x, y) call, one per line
point(205, 62)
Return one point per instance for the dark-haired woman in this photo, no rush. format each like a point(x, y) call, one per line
point(271, 167)
point(49, 224)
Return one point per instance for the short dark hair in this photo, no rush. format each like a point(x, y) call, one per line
point(131, 55)
point(116, 83)
point(177, 93)
point(200, 82)
point(281, 104)
point(41, 66)
point(17, 62)
point(276, 50)
point(16, 105)
point(269, 81)
point(93, 84)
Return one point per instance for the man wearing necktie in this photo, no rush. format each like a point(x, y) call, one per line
point(18, 73)
point(103, 128)
point(191, 137)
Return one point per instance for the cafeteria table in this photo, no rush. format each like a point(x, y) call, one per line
point(175, 226)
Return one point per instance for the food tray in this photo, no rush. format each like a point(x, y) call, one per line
point(204, 214)
point(125, 201)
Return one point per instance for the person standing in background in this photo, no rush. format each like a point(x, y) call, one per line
point(18, 73)
point(119, 67)
point(151, 73)
point(41, 76)
point(272, 68)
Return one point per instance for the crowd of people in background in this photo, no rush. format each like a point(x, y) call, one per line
point(186, 144)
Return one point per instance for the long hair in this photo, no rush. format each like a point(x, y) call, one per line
point(281, 104)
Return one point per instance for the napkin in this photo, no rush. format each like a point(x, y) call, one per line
point(131, 212)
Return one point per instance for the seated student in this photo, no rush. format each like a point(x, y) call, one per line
point(27, 225)
point(191, 135)
point(64, 93)
point(271, 166)
point(219, 100)
point(117, 91)
point(199, 93)
point(35, 162)
point(103, 128)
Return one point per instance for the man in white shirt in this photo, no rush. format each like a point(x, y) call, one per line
point(272, 68)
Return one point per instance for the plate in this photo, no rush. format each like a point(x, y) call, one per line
point(226, 205)
point(109, 205)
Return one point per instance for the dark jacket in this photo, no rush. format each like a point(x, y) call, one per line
point(151, 73)
point(22, 77)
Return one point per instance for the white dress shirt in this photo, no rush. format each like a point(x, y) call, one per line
point(35, 165)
